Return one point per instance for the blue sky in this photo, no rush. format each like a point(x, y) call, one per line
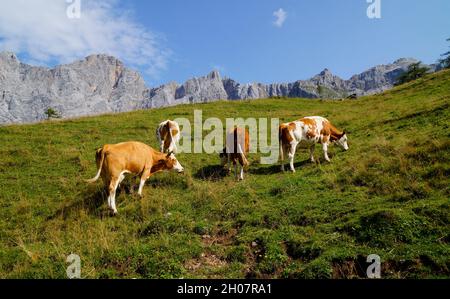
point(241, 40)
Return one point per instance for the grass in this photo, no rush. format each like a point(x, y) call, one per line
point(388, 195)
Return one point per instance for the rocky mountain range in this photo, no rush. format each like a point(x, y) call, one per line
point(102, 84)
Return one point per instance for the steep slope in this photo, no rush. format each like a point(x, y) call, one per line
point(388, 195)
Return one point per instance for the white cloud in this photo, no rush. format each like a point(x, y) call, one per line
point(42, 30)
point(280, 17)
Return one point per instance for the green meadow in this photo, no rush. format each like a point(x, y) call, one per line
point(388, 195)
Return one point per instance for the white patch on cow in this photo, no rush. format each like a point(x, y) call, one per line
point(141, 186)
point(177, 166)
point(242, 173)
point(325, 151)
point(112, 195)
point(342, 142)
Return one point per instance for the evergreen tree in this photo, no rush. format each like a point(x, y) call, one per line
point(415, 71)
point(445, 61)
point(52, 113)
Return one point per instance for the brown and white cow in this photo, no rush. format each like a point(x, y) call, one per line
point(168, 134)
point(310, 130)
point(236, 150)
point(116, 160)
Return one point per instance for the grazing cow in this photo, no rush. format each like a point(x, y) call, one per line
point(236, 150)
point(168, 134)
point(311, 130)
point(116, 160)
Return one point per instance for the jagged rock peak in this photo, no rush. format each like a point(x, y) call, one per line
point(102, 58)
point(325, 72)
point(214, 75)
point(101, 83)
point(404, 60)
point(9, 57)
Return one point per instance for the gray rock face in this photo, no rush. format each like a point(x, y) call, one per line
point(162, 96)
point(201, 90)
point(97, 84)
point(378, 78)
point(102, 84)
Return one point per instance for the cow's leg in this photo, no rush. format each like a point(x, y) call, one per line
point(229, 163)
point(235, 170)
point(144, 177)
point(241, 177)
point(121, 178)
point(325, 151)
point(109, 193)
point(161, 146)
point(291, 155)
point(311, 152)
point(112, 194)
point(283, 154)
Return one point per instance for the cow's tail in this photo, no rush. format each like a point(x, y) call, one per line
point(280, 141)
point(98, 155)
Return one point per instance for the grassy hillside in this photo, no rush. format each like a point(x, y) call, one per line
point(388, 195)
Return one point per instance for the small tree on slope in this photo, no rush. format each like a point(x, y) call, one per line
point(52, 113)
point(445, 61)
point(415, 71)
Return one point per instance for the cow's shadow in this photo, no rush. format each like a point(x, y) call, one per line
point(211, 173)
point(276, 168)
point(93, 201)
point(90, 201)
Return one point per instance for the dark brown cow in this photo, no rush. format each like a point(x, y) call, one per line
point(236, 150)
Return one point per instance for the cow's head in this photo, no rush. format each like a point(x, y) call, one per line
point(170, 162)
point(342, 141)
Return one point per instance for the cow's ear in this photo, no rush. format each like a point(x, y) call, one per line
point(169, 154)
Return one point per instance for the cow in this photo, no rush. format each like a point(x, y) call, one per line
point(310, 130)
point(236, 150)
point(116, 160)
point(168, 134)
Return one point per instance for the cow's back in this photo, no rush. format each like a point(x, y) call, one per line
point(131, 156)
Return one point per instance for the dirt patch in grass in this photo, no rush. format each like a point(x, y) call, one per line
point(205, 260)
point(208, 259)
point(350, 268)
